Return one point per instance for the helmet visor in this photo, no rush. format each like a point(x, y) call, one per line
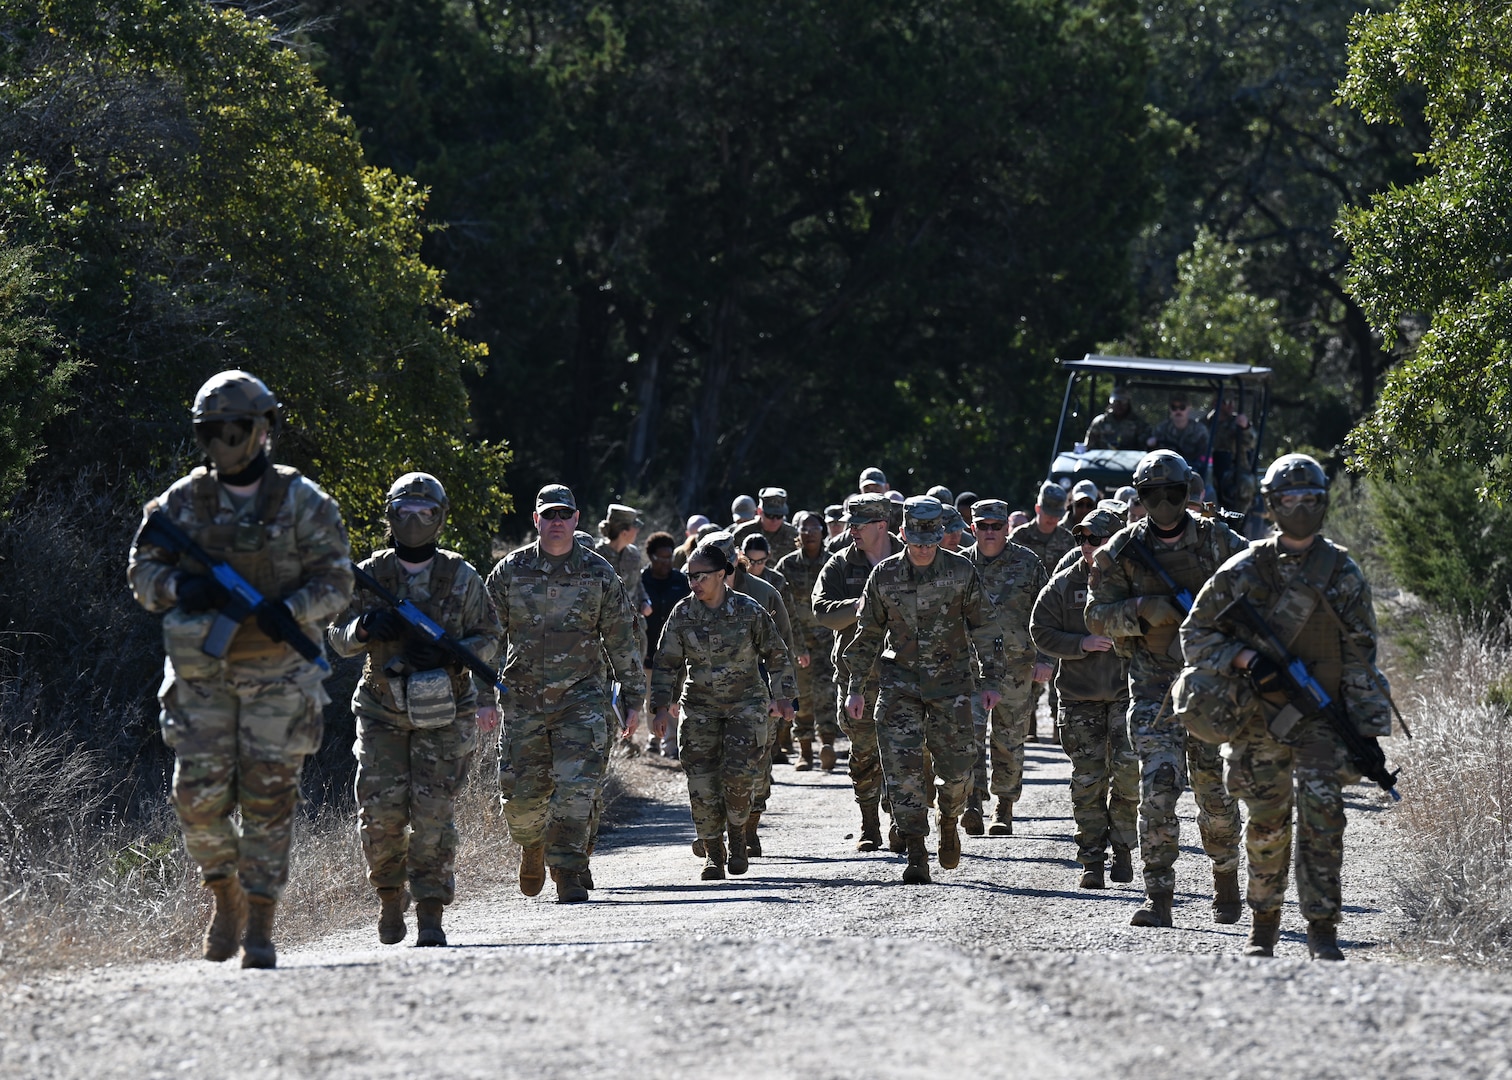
point(1300, 498)
point(230, 433)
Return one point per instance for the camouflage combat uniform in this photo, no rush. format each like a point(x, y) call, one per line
point(816, 683)
point(562, 617)
point(1108, 432)
point(1191, 442)
point(840, 585)
point(1011, 581)
point(1093, 721)
point(781, 541)
point(1312, 766)
point(919, 628)
point(407, 777)
point(770, 599)
point(1168, 756)
point(1232, 475)
point(628, 563)
point(1051, 547)
point(714, 656)
point(241, 727)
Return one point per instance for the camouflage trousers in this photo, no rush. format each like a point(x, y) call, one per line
point(865, 752)
point(1168, 756)
point(1000, 738)
point(723, 755)
point(761, 789)
point(1269, 777)
point(240, 746)
point(816, 718)
point(551, 764)
point(1104, 776)
point(407, 783)
point(908, 727)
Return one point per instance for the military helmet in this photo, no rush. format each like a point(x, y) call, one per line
point(1296, 493)
point(230, 411)
point(416, 509)
point(1159, 468)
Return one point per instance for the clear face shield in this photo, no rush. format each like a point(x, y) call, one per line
point(415, 522)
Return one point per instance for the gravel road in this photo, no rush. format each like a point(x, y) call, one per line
point(815, 964)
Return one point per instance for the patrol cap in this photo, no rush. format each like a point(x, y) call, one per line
point(1085, 489)
point(923, 520)
point(555, 495)
point(966, 498)
point(954, 522)
point(1120, 393)
point(1116, 505)
point(834, 512)
point(743, 508)
point(805, 518)
point(1100, 523)
point(1128, 495)
point(989, 510)
point(895, 496)
point(696, 522)
point(620, 514)
point(866, 508)
point(774, 501)
point(944, 494)
point(722, 539)
point(1052, 496)
point(872, 475)
point(704, 530)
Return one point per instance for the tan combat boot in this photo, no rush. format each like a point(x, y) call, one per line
point(1228, 902)
point(1002, 819)
point(257, 945)
point(917, 870)
point(897, 843)
point(569, 889)
point(1265, 928)
point(585, 875)
point(1156, 910)
point(395, 901)
point(950, 844)
point(805, 756)
point(428, 923)
point(1092, 876)
point(752, 837)
point(1123, 865)
point(533, 870)
point(223, 935)
point(785, 735)
point(1323, 941)
point(827, 756)
point(714, 861)
point(738, 861)
point(971, 819)
point(871, 829)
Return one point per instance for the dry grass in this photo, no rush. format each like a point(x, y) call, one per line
point(1455, 880)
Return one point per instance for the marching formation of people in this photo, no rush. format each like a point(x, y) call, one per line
point(919, 630)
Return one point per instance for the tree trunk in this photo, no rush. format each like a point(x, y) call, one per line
point(718, 363)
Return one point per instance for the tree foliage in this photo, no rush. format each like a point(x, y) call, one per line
point(197, 202)
point(35, 371)
point(1439, 248)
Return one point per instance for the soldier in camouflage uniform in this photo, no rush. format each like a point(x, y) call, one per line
point(1130, 603)
point(563, 612)
point(1179, 432)
point(1051, 541)
point(413, 746)
point(837, 602)
point(241, 726)
point(1119, 428)
point(1314, 596)
point(781, 537)
point(924, 616)
point(712, 650)
point(756, 559)
point(815, 642)
point(1012, 577)
point(834, 521)
point(1093, 688)
point(1234, 440)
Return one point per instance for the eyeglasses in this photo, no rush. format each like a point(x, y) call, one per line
point(557, 513)
point(695, 576)
point(756, 561)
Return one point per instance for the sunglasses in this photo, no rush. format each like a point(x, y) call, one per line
point(231, 432)
point(1087, 540)
point(756, 560)
point(557, 513)
point(1180, 408)
point(695, 576)
point(989, 526)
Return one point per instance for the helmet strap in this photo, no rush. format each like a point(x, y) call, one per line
point(250, 475)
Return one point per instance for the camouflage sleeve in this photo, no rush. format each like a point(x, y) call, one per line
point(325, 554)
point(1112, 606)
point(774, 652)
point(784, 624)
point(1228, 542)
point(670, 662)
point(861, 654)
point(1047, 624)
point(618, 631)
point(1362, 685)
point(832, 608)
point(1041, 579)
point(342, 634)
point(151, 570)
point(1203, 643)
point(1095, 438)
point(800, 609)
point(478, 627)
point(986, 638)
point(1246, 440)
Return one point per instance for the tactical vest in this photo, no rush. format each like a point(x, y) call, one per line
point(440, 606)
point(1296, 612)
point(1190, 570)
point(256, 547)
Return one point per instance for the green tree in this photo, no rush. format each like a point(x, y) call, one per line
point(35, 371)
point(1436, 251)
point(198, 203)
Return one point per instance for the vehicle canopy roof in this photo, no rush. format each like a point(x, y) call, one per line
point(1146, 365)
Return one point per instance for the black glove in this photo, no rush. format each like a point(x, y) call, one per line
point(268, 617)
point(423, 655)
point(1265, 673)
point(198, 593)
point(381, 624)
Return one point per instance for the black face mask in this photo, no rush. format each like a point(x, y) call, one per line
point(250, 475)
point(1165, 504)
point(415, 554)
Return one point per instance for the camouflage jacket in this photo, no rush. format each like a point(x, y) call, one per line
point(781, 542)
point(1011, 581)
point(768, 597)
point(1118, 581)
point(802, 574)
point(715, 655)
point(921, 627)
point(628, 564)
point(840, 585)
point(466, 613)
point(1231, 439)
point(561, 617)
point(287, 540)
point(1050, 547)
point(1191, 442)
point(1106, 432)
point(1059, 623)
point(1338, 645)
